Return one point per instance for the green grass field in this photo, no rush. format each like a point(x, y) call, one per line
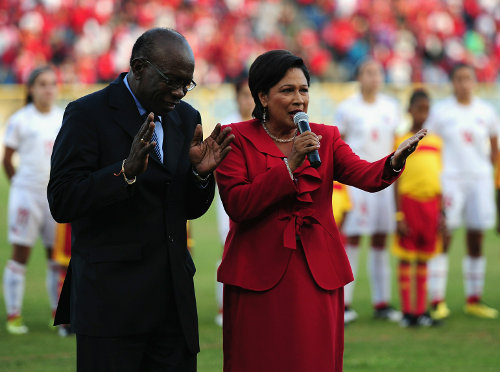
point(461, 344)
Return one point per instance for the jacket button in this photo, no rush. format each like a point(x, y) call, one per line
point(171, 238)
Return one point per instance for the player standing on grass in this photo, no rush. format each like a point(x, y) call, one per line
point(418, 216)
point(367, 122)
point(468, 127)
point(31, 132)
point(245, 103)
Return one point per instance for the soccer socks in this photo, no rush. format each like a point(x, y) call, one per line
point(13, 287)
point(473, 270)
point(52, 284)
point(437, 270)
point(421, 298)
point(404, 278)
point(380, 276)
point(353, 256)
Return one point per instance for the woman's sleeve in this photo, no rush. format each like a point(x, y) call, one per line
point(246, 198)
point(350, 169)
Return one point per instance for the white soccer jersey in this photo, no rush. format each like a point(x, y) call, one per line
point(32, 134)
point(466, 132)
point(222, 217)
point(368, 127)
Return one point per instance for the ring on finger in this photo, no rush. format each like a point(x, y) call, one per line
point(142, 140)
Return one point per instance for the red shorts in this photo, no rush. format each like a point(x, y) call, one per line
point(423, 239)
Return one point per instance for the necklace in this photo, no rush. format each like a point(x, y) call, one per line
point(276, 138)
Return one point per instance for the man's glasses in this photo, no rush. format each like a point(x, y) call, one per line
point(174, 84)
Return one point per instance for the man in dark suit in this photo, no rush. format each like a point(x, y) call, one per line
point(128, 190)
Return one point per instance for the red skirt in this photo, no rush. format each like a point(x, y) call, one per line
point(295, 326)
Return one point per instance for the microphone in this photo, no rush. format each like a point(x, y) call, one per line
point(301, 120)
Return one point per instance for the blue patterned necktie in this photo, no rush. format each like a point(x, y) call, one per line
point(155, 137)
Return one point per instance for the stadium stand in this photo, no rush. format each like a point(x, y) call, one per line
point(89, 41)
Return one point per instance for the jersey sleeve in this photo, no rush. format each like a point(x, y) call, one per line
point(12, 136)
point(432, 122)
point(340, 118)
point(493, 123)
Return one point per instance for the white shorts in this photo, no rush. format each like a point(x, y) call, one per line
point(469, 200)
point(29, 217)
point(371, 212)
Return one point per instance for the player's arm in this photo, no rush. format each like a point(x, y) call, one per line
point(8, 166)
point(494, 150)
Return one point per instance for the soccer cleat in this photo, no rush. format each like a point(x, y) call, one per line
point(52, 327)
point(388, 313)
point(480, 310)
point(408, 320)
point(64, 330)
point(425, 320)
point(440, 311)
point(16, 326)
point(350, 315)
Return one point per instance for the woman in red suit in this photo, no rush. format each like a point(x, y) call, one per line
point(284, 267)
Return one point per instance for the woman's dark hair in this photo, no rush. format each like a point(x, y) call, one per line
point(267, 70)
point(417, 94)
point(240, 82)
point(32, 79)
point(459, 66)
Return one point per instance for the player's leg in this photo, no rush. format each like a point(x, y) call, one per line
point(219, 289)
point(48, 231)
point(427, 228)
point(480, 215)
point(355, 225)
point(352, 250)
point(404, 281)
point(13, 288)
point(382, 210)
point(438, 266)
point(22, 233)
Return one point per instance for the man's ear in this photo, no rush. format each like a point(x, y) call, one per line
point(137, 67)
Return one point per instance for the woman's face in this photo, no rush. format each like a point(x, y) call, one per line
point(464, 82)
point(245, 102)
point(44, 89)
point(419, 111)
point(289, 96)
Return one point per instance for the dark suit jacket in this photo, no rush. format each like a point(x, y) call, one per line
point(129, 259)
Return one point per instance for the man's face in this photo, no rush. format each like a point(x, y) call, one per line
point(174, 61)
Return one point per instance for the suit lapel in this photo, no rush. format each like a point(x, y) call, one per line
point(127, 115)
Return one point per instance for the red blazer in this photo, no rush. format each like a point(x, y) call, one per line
point(269, 210)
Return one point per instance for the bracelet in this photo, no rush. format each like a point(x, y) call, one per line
point(200, 178)
point(399, 216)
point(395, 170)
point(122, 171)
point(288, 167)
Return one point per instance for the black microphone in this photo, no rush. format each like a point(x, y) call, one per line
point(301, 120)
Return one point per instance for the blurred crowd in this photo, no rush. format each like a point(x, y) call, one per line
point(89, 41)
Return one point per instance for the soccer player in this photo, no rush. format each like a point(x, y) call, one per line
point(367, 122)
point(30, 133)
point(468, 127)
point(418, 216)
point(245, 105)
